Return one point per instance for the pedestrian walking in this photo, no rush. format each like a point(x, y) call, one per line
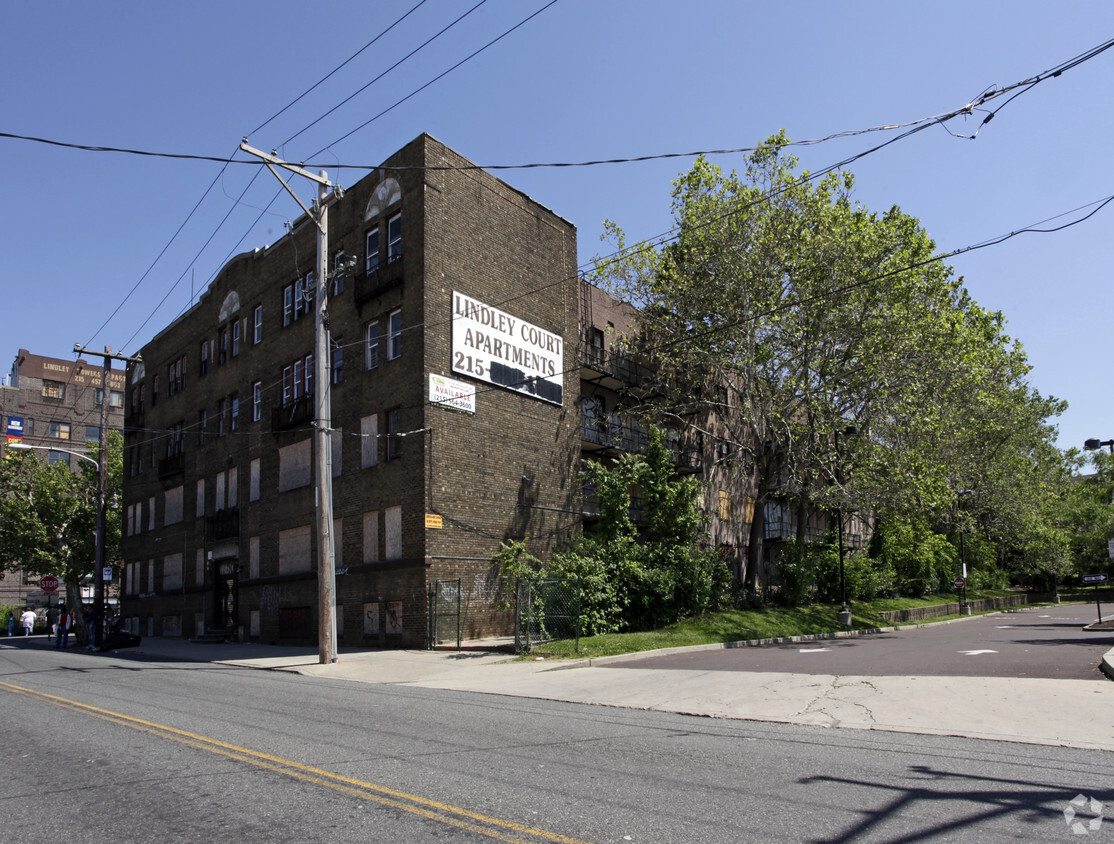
point(62, 636)
point(11, 623)
point(91, 617)
point(28, 619)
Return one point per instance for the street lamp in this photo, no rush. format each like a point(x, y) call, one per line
point(102, 488)
point(1092, 444)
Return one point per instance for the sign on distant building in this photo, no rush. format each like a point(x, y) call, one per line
point(452, 394)
point(15, 426)
point(493, 346)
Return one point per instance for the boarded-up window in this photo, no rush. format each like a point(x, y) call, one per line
point(199, 505)
point(172, 513)
point(172, 571)
point(371, 618)
point(394, 618)
point(724, 506)
point(295, 464)
point(338, 542)
point(294, 550)
point(253, 557)
point(219, 487)
point(393, 530)
point(371, 536)
point(337, 441)
point(151, 513)
point(369, 437)
point(253, 474)
point(199, 574)
point(234, 486)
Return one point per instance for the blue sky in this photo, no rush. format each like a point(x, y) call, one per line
point(94, 255)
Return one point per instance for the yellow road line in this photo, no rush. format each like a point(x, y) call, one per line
point(497, 828)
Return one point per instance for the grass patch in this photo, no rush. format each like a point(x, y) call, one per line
point(738, 625)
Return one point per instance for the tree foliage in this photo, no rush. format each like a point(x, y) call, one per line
point(644, 573)
point(827, 344)
point(48, 514)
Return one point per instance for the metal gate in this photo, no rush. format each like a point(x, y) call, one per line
point(546, 609)
point(443, 613)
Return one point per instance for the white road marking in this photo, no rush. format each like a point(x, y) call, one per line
point(976, 653)
point(814, 650)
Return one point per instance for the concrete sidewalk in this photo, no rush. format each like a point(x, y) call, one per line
point(1073, 713)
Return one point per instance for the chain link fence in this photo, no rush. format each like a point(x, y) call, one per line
point(546, 609)
point(444, 614)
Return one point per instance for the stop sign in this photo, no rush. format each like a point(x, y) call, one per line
point(49, 583)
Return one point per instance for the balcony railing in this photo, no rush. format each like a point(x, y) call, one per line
point(225, 524)
point(619, 365)
point(295, 413)
point(379, 280)
point(626, 434)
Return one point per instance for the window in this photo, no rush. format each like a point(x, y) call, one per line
point(297, 380)
point(394, 437)
point(371, 353)
point(28, 427)
point(202, 426)
point(53, 390)
point(338, 273)
point(394, 341)
point(235, 338)
point(257, 325)
point(222, 347)
point(92, 434)
point(175, 377)
point(174, 440)
point(60, 430)
point(235, 403)
point(372, 250)
point(299, 298)
point(338, 363)
point(394, 238)
point(137, 400)
point(256, 401)
point(296, 298)
point(53, 457)
point(222, 413)
point(154, 390)
point(115, 398)
point(203, 367)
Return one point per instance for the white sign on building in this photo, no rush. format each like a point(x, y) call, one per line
point(451, 393)
point(493, 346)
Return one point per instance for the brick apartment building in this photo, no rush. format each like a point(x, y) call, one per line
point(54, 405)
point(455, 418)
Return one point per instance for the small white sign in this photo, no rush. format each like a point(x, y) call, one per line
point(106, 573)
point(453, 394)
point(1110, 548)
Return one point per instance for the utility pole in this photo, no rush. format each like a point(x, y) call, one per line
point(322, 423)
point(102, 485)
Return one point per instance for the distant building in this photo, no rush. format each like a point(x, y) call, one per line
point(54, 405)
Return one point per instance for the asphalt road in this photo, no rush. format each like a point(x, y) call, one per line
point(1047, 643)
point(110, 749)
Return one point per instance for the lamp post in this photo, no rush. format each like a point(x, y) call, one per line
point(845, 611)
point(102, 488)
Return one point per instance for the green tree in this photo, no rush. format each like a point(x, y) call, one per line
point(788, 317)
point(48, 514)
point(640, 576)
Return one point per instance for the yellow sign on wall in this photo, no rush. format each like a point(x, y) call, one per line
point(432, 520)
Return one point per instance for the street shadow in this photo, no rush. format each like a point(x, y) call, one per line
point(1038, 805)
